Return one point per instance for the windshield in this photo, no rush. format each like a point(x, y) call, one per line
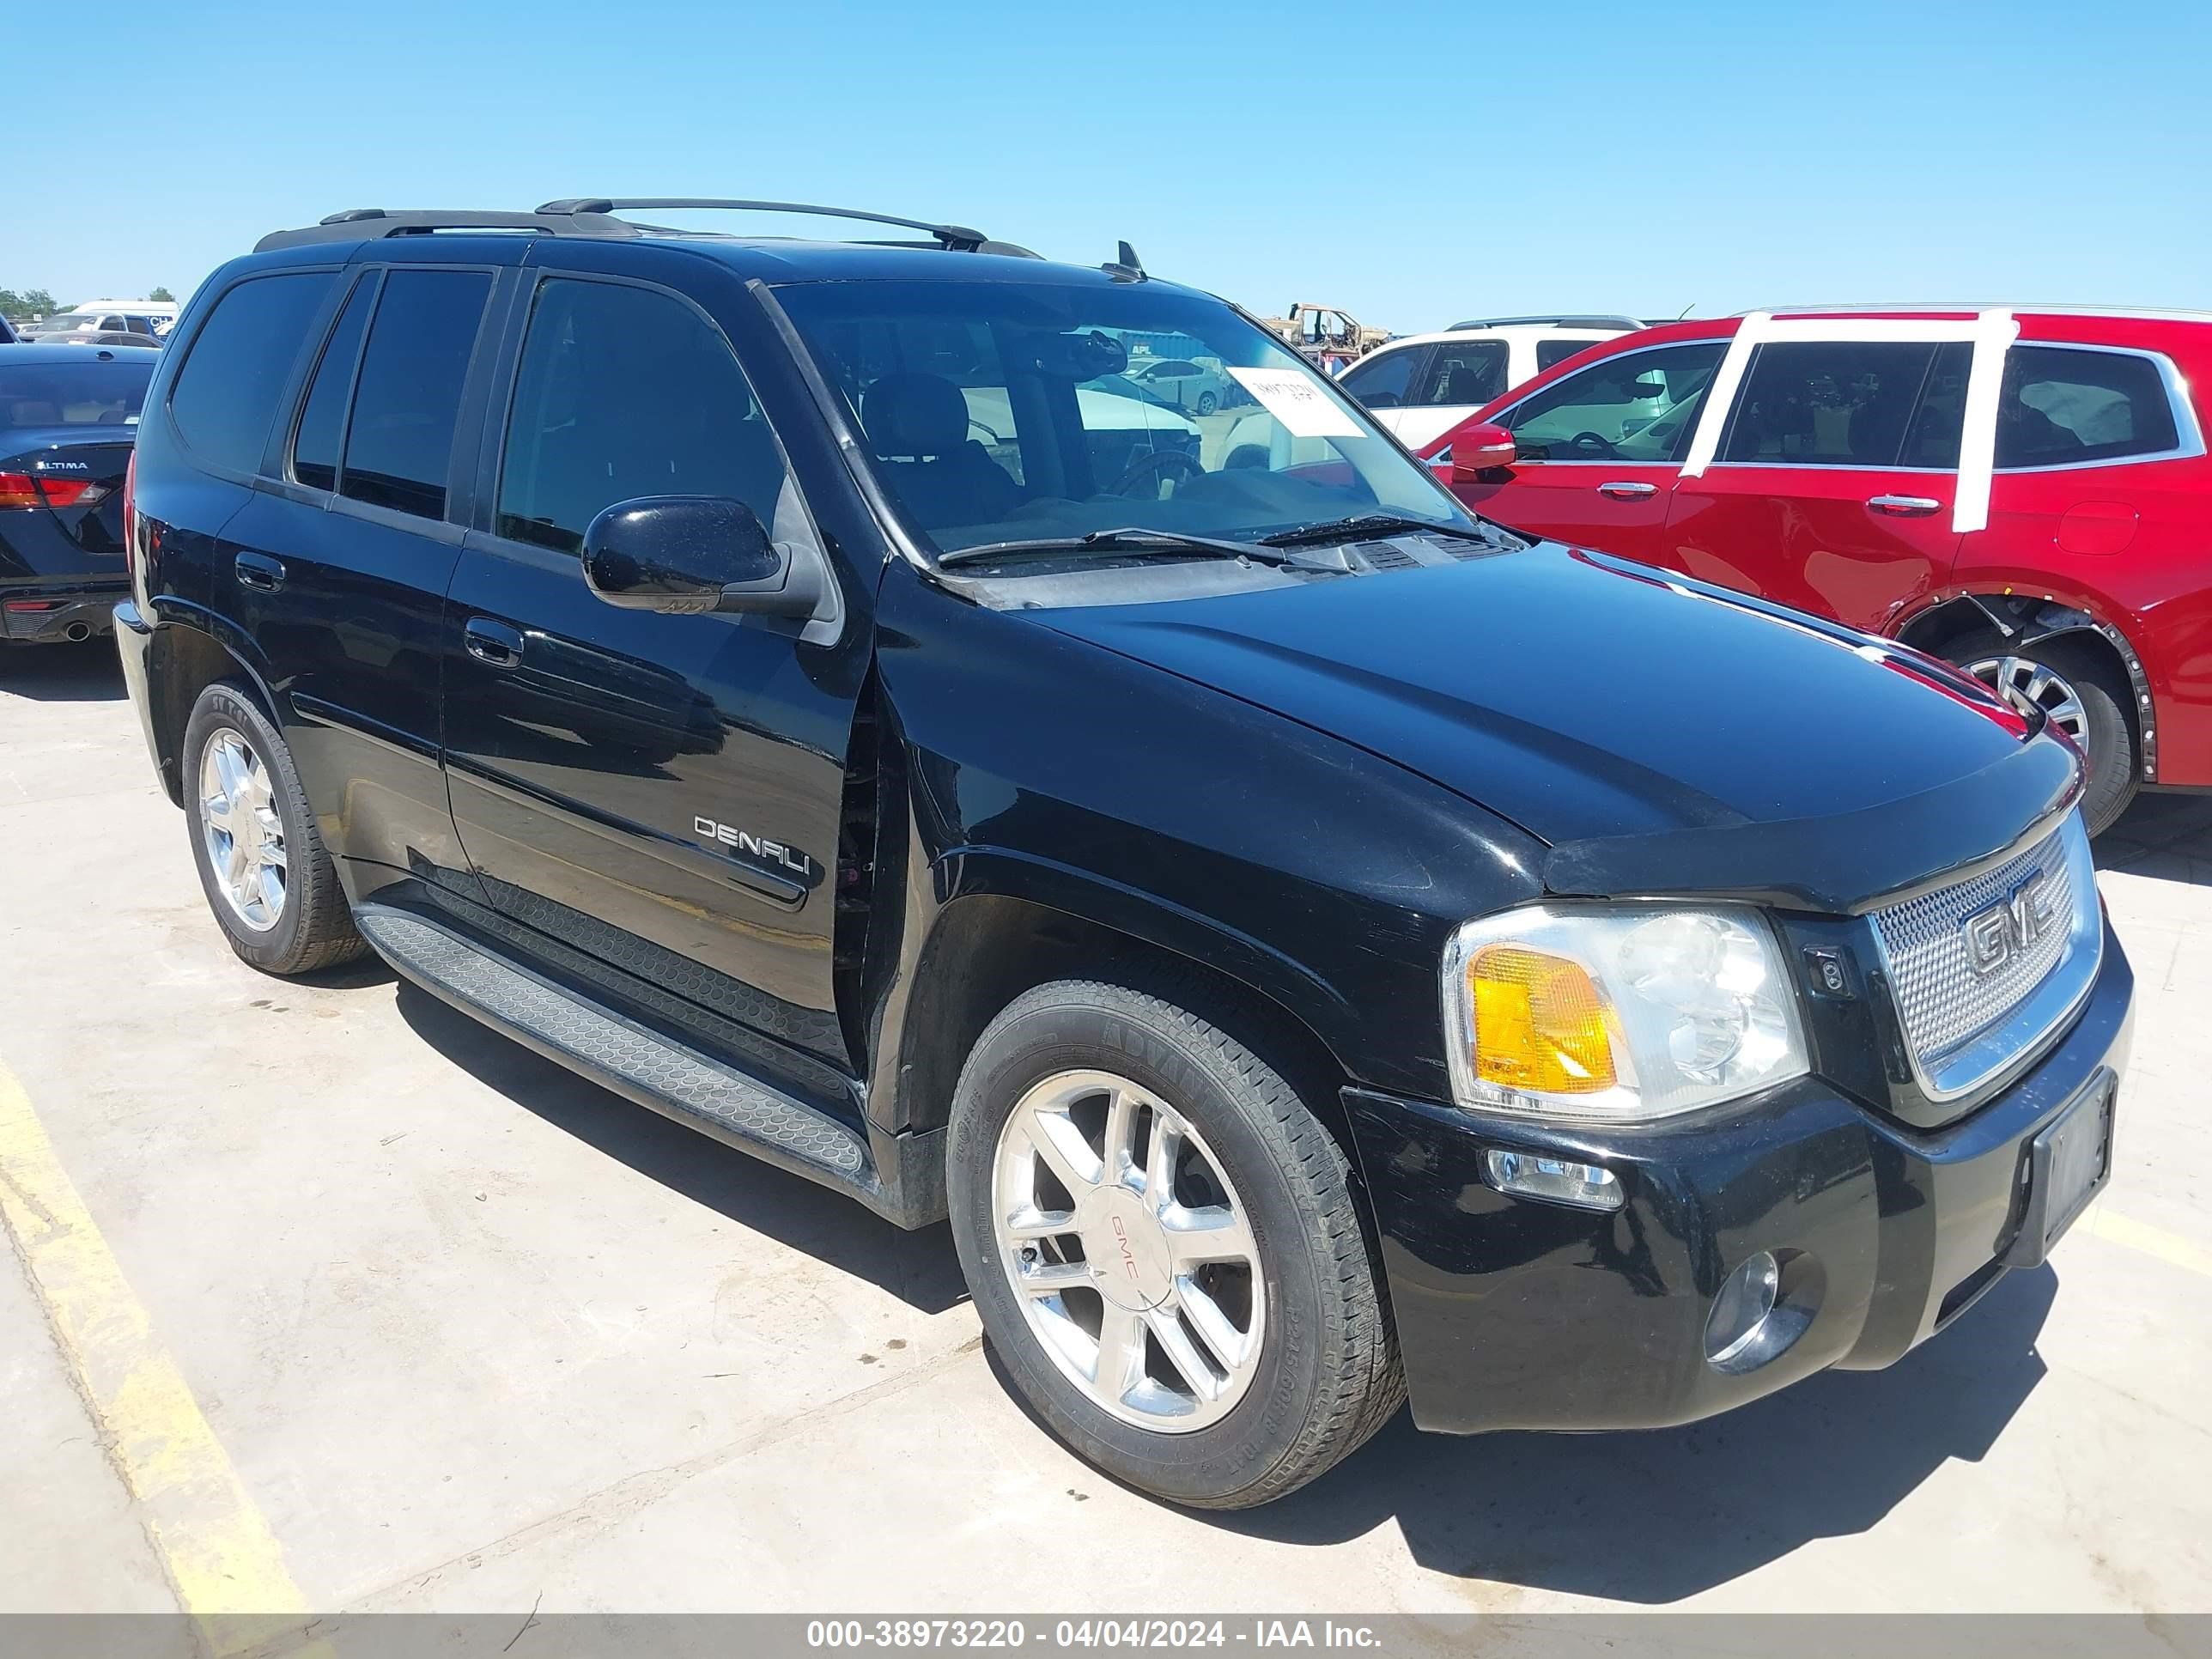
point(1014, 411)
point(91, 393)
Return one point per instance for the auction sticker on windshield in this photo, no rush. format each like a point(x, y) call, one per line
point(1293, 398)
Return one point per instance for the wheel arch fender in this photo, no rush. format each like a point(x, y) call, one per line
point(187, 654)
point(1004, 921)
point(2032, 619)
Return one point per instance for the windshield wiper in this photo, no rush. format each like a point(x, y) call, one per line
point(1136, 538)
point(1369, 524)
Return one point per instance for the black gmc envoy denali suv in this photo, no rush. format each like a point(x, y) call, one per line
point(1317, 948)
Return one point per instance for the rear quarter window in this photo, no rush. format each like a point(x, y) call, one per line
point(224, 402)
point(2065, 405)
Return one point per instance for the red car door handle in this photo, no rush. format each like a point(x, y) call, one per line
point(1628, 492)
point(1904, 506)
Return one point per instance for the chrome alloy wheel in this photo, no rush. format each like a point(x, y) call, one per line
point(2034, 688)
point(1132, 1255)
point(245, 835)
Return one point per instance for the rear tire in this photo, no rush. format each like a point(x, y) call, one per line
point(2105, 733)
point(1317, 1372)
point(275, 893)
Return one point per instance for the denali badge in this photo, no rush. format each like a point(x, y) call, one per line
point(2002, 931)
point(757, 846)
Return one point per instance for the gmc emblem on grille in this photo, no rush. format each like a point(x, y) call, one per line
point(1998, 933)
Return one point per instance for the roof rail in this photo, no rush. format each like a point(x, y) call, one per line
point(595, 216)
point(1594, 321)
point(958, 238)
point(366, 224)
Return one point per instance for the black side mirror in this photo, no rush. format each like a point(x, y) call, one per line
point(687, 553)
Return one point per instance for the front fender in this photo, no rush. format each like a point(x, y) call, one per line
point(1006, 872)
point(1041, 769)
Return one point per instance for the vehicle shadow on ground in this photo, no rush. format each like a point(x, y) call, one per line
point(920, 1268)
point(85, 672)
point(1655, 1516)
point(2164, 837)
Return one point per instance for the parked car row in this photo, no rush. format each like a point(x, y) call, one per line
point(2024, 491)
point(1423, 385)
point(68, 417)
point(1317, 949)
point(98, 322)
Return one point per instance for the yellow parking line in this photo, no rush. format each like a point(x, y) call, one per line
point(2151, 1240)
point(225, 1563)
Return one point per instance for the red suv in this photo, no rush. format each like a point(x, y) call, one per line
point(2023, 491)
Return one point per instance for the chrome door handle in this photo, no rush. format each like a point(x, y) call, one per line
point(258, 570)
point(1628, 491)
point(492, 642)
point(1904, 506)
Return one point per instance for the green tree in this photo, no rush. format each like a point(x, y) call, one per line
point(31, 302)
point(163, 295)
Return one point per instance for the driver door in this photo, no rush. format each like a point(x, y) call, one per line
point(1600, 450)
point(656, 795)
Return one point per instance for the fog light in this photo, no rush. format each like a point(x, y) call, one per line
point(1740, 1309)
point(1559, 1180)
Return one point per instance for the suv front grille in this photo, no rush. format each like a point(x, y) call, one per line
point(2041, 937)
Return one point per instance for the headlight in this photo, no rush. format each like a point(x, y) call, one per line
point(1618, 1012)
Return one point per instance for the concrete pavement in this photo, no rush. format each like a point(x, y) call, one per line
point(474, 1334)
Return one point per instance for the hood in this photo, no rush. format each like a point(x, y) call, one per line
point(1612, 710)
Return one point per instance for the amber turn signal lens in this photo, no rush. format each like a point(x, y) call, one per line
point(1539, 1022)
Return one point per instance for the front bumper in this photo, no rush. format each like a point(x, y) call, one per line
point(1517, 1314)
point(68, 610)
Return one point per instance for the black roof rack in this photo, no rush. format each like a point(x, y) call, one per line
point(363, 224)
point(1591, 321)
point(958, 238)
point(596, 216)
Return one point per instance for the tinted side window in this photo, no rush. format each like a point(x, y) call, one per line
point(2061, 405)
point(1942, 416)
point(225, 397)
point(1470, 373)
point(1638, 406)
point(1549, 352)
point(315, 446)
point(1383, 380)
point(1828, 403)
point(623, 392)
point(399, 444)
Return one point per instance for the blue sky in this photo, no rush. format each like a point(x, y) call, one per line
point(1414, 164)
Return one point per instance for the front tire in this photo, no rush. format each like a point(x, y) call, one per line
point(1164, 1245)
point(262, 863)
point(2076, 690)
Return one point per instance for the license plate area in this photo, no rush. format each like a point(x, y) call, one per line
point(2067, 1165)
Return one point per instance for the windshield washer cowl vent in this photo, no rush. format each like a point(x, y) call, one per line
point(1383, 555)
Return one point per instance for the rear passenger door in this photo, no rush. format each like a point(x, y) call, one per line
point(337, 566)
point(655, 798)
point(1834, 481)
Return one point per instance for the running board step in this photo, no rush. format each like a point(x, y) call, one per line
point(635, 1062)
